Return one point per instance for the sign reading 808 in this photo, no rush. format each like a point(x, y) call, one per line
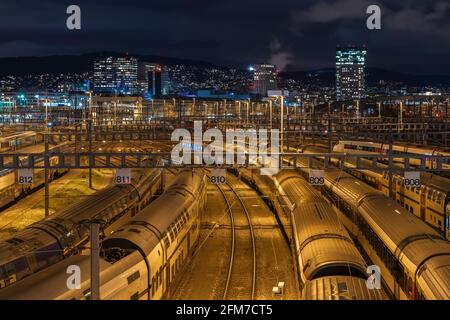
point(412, 179)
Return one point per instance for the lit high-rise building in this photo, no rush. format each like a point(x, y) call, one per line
point(116, 75)
point(153, 79)
point(264, 78)
point(350, 72)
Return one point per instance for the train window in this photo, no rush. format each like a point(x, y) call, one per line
point(153, 286)
point(157, 280)
point(14, 241)
point(166, 240)
point(10, 269)
point(135, 296)
point(133, 277)
point(160, 275)
point(411, 209)
point(87, 294)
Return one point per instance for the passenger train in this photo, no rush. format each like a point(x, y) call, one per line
point(51, 240)
point(414, 259)
point(429, 202)
point(364, 147)
point(11, 190)
point(17, 140)
point(140, 260)
point(330, 266)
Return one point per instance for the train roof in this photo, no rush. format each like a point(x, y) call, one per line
point(340, 288)
point(322, 238)
point(158, 216)
point(434, 278)
point(411, 239)
point(407, 236)
point(435, 181)
point(49, 283)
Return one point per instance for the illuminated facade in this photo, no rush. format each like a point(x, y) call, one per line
point(153, 79)
point(350, 73)
point(115, 75)
point(264, 78)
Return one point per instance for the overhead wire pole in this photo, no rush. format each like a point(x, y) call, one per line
point(90, 139)
point(94, 234)
point(47, 163)
point(330, 137)
point(391, 193)
point(282, 123)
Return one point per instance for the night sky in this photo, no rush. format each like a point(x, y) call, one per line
point(294, 34)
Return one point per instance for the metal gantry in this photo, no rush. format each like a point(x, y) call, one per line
point(112, 160)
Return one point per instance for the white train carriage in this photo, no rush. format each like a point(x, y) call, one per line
point(140, 260)
point(48, 241)
point(322, 243)
point(404, 247)
point(17, 140)
point(429, 202)
point(324, 251)
point(339, 288)
point(367, 147)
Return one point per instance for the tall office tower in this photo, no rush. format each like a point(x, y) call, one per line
point(115, 75)
point(153, 79)
point(350, 72)
point(264, 78)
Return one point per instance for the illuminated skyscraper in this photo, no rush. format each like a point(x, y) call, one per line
point(115, 75)
point(350, 72)
point(264, 78)
point(153, 79)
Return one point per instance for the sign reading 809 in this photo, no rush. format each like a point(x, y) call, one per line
point(316, 177)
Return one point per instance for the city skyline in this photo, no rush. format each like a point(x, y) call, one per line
point(292, 35)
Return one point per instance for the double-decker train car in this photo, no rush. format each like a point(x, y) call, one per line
point(414, 259)
point(140, 260)
point(429, 202)
point(11, 190)
point(365, 147)
point(17, 140)
point(48, 241)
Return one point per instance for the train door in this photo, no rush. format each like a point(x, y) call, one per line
point(423, 198)
point(447, 220)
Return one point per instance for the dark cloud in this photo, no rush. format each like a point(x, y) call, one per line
point(294, 34)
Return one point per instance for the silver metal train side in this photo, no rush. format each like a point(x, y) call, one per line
point(48, 241)
point(414, 259)
point(140, 260)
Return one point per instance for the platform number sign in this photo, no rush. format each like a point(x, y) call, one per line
point(123, 176)
point(412, 178)
point(218, 176)
point(25, 176)
point(316, 177)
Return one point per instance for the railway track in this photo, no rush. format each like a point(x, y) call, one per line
point(241, 278)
